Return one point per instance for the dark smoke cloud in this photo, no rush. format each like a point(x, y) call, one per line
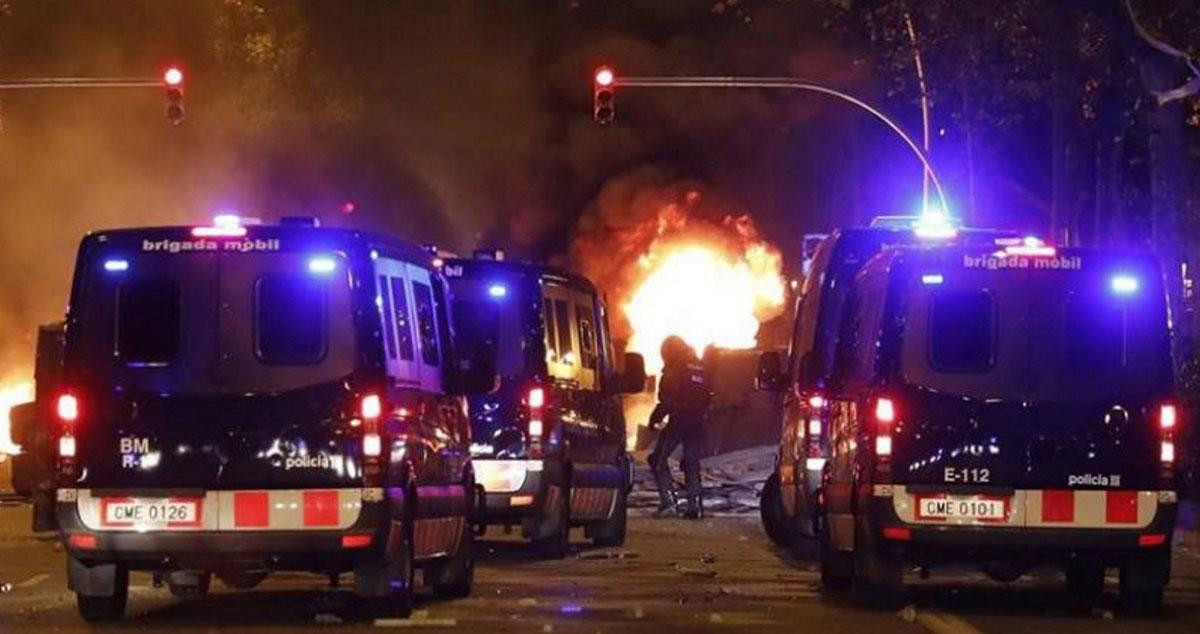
point(455, 123)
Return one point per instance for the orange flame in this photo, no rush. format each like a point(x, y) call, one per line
point(705, 294)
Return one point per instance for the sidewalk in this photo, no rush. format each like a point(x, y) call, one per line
point(1187, 528)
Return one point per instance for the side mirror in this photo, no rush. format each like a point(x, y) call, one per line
point(770, 377)
point(476, 374)
point(633, 379)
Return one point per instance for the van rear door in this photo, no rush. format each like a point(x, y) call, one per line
point(213, 370)
point(1029, 378)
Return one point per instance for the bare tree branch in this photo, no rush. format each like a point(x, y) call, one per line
point(1189, 88)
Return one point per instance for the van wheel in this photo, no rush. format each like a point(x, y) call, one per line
point(1085, 579)
point(1143, 578)
point(188, 584)
point(837, 568)
point(770, 509)
point(453, 577)
point(610, 533)
point(556, 542)
point(878, 575)
point(97, 609)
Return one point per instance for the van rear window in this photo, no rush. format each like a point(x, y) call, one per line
point(148, 322)
point(962, 331)
point(290, 319)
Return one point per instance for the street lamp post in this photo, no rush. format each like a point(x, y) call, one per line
point(606, 78)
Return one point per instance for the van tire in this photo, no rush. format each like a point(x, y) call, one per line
point(454, 576)
point(1085, 579)
point(878, 575)
point(377, 596)
point(1144, 576)
point(770, 509)
point(95, 609)
point(837, 568)
point(610, 533)
point(556, 542)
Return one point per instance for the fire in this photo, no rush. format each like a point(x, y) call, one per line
point(706, 294)
point(12, 394)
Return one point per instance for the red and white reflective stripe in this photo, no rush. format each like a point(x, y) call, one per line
point(436, 536)
point(292, 509)
point(592, 503)
point(274, 510)
point(1091, 509)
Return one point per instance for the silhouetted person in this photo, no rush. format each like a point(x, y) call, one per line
point(683, 397)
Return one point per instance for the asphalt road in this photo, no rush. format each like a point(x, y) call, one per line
point(673, 575)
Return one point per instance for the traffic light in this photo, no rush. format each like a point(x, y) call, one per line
point(173, 79)
point(602, 103)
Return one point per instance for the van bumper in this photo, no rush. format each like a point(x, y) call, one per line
point(302, 550)
point(514, 489)
point(972, 543)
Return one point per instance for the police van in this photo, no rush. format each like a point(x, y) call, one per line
point(549, 444)
point(1010, 406)
point(237, 400)
point(788, 499)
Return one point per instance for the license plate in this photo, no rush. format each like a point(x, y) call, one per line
point(954, 507)
point(152, 513)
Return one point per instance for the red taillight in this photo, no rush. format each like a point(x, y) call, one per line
point(371, 407)
point(537, 398)
point(83, 541)
point(67, 408)
point(885, 415)
point(1166, 452)
point(885, 410)
point(66, 446)
point(816, 401)
point(1152, 540)
point(897, 533)
point(372, 445)
point(1167, 415)
point(356, 541)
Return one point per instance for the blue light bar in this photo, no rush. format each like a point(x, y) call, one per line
point(930, 279)
point(498, 290)
point(321, 265)
point(1123, 284)
point(116, 265)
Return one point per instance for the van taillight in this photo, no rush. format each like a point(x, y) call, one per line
point(885, 415)
point(1166, 417)
point(885, 411)
point(536, 400)
point(372, 445)
point(67, 408)
point(371, 407)
point(66, 446)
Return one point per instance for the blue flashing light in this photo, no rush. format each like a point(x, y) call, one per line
point(498, 290)
point(932, 279)
point(1124, 284)
point(116, 265)
point(321, 265)
point(374, 254)
point(571, 608)
point(227, 220)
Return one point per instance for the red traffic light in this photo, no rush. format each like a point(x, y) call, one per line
point(173, 76)
point(605, 76)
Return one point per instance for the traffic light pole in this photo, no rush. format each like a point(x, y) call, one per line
point(783, 83)
point(38, 83)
